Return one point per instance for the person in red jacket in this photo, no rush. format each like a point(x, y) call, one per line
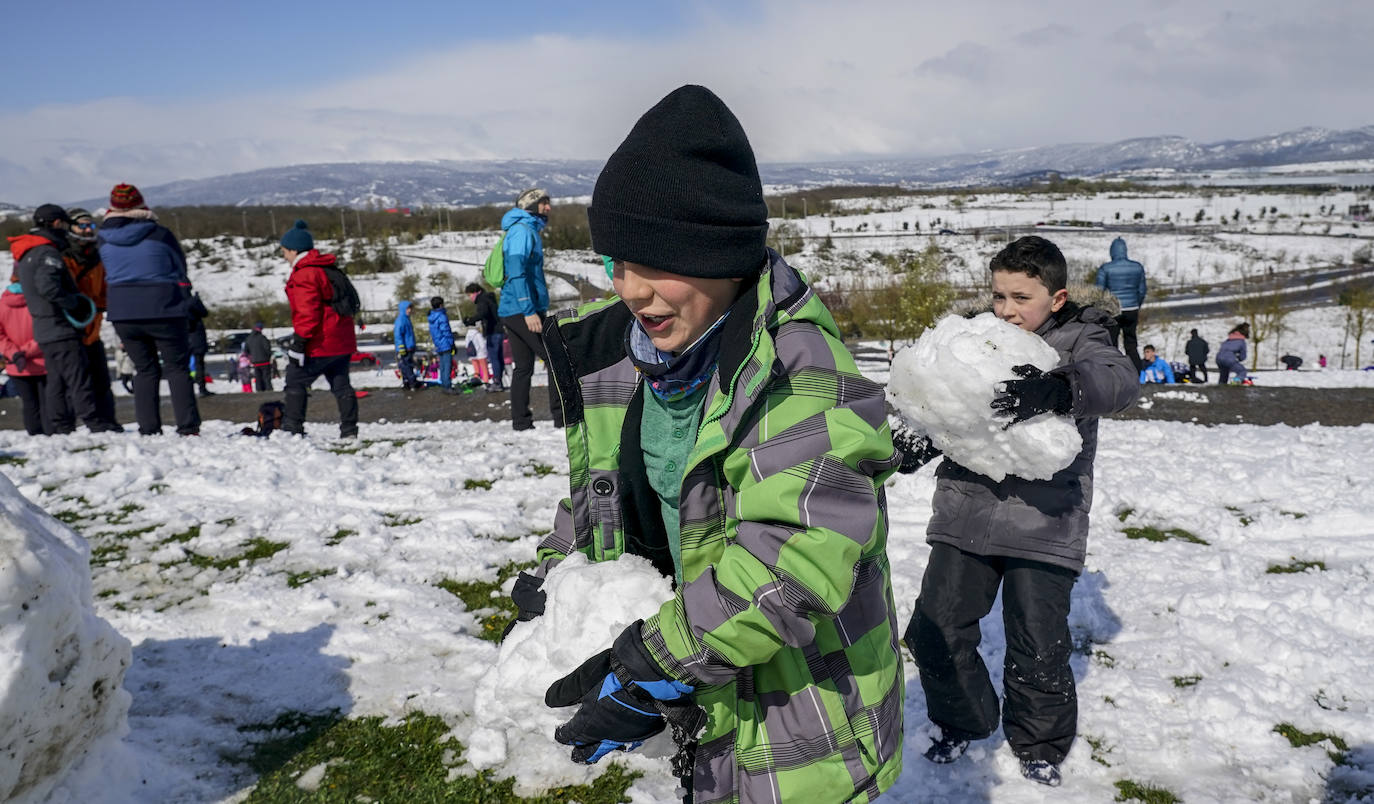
point(25, 358)
point(324, 340)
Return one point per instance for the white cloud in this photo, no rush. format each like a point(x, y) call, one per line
point(808, 79)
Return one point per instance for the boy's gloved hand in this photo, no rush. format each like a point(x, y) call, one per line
point(295, 349)
point(620, 691)
point(1034, 394)
point(916, 449)
point(18, 359)
point(528, 597)
point(401, 351)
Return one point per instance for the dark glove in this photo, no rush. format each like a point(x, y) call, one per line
point(1034, 394)
point(622, 694)
point(18, 359)
point(528, 597)
point(295, 349)
point(916, 449)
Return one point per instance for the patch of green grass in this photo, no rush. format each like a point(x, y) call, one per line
point(1153, 534)
point(1294, 514)
point(1299, 738)
point(400, 520)
point(158, 488)
point(183, 537)
point(104, 593)
point(1123, 513)
point(1296, 566)
point(90, 475)
point(258, 549)
point(1128, 790)
point(349, 449)
point(541, 469)
point(121, 517)
point(1104, 658)
point(370, 761)
point(1183, 682)
point(340, 535)
point(69, 517)
point(1099, 749)
point(477, 595)
point(92, 448)
point(1240, 515)
point(108, 553)
point(477, 483)
point(13, 460)
point(295, 580)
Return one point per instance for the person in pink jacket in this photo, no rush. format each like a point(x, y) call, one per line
point(25, 359)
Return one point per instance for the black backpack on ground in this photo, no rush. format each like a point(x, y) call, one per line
point(269, 419)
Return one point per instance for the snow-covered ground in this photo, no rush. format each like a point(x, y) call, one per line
point(1190, 654)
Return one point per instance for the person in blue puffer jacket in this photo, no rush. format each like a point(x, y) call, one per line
point(403, 333)
point(148, 300)
point(525, 301)
point(1125, 279)
point(442, 334)
point(1232, 353)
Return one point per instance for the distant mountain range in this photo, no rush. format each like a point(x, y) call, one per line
point(450, 183)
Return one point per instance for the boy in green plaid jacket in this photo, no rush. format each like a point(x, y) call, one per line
point(717, 426)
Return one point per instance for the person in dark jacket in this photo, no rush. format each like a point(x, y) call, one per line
point(525, 301)
point(487, 318)
point(199, 342)
point(149, 300)
point(442, 335)
point(324, 341)
point(1231, 356)
point(83, 260)
point(1197, 351)
point(1028, 537)
point(60, 314)
point(259, 351)
point(1125, 278)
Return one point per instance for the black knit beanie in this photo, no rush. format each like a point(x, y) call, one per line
point(682, 192)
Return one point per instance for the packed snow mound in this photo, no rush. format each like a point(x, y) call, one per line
point(944, 385)
point(61, 666)
point(587, 606)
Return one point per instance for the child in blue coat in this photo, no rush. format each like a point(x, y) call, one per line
point(442, 334)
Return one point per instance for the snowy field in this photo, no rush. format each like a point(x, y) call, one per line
point(257, 578)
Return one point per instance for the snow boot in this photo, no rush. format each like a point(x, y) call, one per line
point(1041, 771)
point(946, 749)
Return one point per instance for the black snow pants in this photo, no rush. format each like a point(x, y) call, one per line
point(1040, 711)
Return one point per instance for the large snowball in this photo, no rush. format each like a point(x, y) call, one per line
point(945, 383)
point(586, 608)
point(61, 666)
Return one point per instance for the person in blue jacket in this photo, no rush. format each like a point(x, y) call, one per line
point(442, 334)
point(1125, 279)
point(403, 332)
point(1156, 368)
point(149, 299)
point(525, 301)
point(1231, 355)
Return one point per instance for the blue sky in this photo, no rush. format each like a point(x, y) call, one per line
point(155, 91)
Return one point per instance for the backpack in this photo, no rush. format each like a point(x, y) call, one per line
point(344, 300)
point(494, 269)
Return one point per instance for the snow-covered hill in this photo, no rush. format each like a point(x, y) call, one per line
point(463, 183)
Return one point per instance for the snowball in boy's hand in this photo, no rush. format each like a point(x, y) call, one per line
point(586, 607)
point(945, 384)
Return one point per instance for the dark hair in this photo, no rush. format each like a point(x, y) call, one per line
point(435, 302)
point(1243, 328)
point(1035, 257)
point(1194, 332)
point(1150, 346)
point(473, 287)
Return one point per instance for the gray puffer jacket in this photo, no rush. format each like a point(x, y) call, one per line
point(1042, 520)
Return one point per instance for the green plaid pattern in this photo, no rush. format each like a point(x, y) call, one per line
point(785, 621)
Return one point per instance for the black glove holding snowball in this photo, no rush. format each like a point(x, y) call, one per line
point(528, 597)
point(916, 449)
point(1035, 393)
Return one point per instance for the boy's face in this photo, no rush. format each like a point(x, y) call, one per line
point(674, 310)
point(1024, 300)
point(1149, 355)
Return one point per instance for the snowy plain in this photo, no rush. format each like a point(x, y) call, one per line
point(1190, 654)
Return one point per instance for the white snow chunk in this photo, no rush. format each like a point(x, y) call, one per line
point(944, 384)
point(311, 779)
point(587, 606)
point(61, 666)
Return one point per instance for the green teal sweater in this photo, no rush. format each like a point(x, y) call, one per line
point(667, 433)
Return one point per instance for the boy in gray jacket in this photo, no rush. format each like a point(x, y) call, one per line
point(1027, 536)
